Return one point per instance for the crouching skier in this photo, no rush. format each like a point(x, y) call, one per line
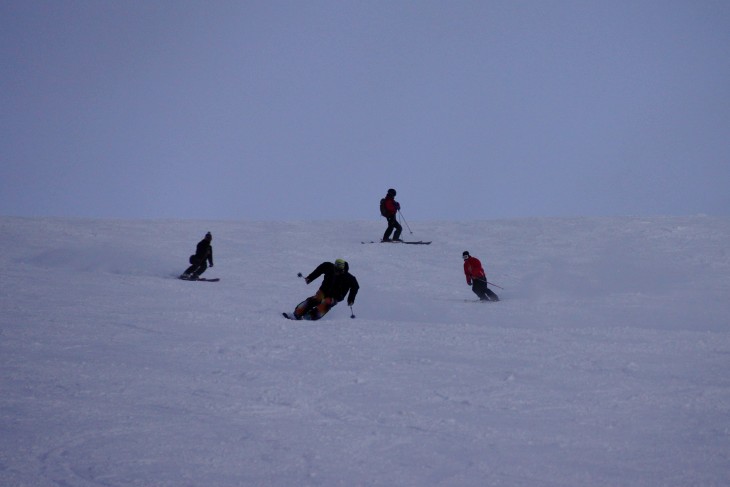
point(337, 284)
point(200, 259)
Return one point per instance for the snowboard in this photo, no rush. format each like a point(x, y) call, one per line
point(419, 242)
point(202, 279)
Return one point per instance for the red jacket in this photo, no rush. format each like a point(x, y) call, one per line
point(473, 269)
point(391, 206)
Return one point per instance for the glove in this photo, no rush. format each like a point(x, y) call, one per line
point(468, 283)
point(397, 205)
point(306, 280)
point(350, 303)
point(211, 264)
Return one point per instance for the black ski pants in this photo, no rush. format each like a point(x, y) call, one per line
point(392, 224)
point(198, 266)
point(479, 286)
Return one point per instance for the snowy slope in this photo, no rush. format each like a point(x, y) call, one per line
point(605, 364)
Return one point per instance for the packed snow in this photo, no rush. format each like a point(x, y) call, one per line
point(604, 364)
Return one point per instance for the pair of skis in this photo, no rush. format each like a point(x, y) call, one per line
point(290, 316)
point(200, 279)
point(419, 242)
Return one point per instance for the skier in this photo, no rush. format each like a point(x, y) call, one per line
point(200, 260)
point(337, 283)
point(389, 208)
point(476, 278)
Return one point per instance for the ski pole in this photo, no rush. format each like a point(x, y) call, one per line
point(404, 221)
point(352, 313)
point(488, 283)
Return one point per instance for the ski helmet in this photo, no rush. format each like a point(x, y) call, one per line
point(340, 265)
point(391, 192)
point(465, 255)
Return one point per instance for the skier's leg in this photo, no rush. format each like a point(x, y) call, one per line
point(194, 263)
point(200, 269)
point(304, 307)
point(307, 305)
point(478, 292)
point(478, 287)
point(398, 229)
point(320, 310)
point(492, 295)
point(386, 235)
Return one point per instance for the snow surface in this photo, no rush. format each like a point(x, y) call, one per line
point(605, 364)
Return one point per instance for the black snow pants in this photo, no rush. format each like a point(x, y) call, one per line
point(479, 286)
point(199, 265)
point(393, 224)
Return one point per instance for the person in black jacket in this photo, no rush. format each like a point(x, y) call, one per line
point(200, 260)
point(337, 284)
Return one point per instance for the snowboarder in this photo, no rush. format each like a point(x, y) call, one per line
point(389, 208)
point(200, 260)
point(337, 283)
point(477, 278)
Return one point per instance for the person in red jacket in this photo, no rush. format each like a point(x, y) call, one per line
point(389, 208)
point(477, 278)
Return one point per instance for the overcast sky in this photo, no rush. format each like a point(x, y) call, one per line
point(291, 110)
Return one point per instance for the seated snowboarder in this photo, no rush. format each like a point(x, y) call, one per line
point(389, 208)
point(200, 260)
point(477, 278)
point(337, 284)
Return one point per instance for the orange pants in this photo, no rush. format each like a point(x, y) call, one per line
point(314, 307)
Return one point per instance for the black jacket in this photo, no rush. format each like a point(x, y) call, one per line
point(204, 251)
point(335, 285)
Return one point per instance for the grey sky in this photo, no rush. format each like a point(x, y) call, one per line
point(312, 109)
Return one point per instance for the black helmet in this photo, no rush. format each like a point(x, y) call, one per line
point(465, 254)
point(391, 192)
point(208, 236)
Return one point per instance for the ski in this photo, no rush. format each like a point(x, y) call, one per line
point(203, 279)
point(419, 242)
point(288, 316)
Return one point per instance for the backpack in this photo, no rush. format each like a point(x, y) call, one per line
point(383, 210)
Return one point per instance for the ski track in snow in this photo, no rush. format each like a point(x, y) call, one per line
point(604, 364)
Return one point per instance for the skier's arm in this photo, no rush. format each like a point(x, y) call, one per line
point(316, 272)
point(354, 287)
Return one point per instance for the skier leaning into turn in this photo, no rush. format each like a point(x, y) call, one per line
point(477, 278)
point(200, 260)
point(337, 284)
